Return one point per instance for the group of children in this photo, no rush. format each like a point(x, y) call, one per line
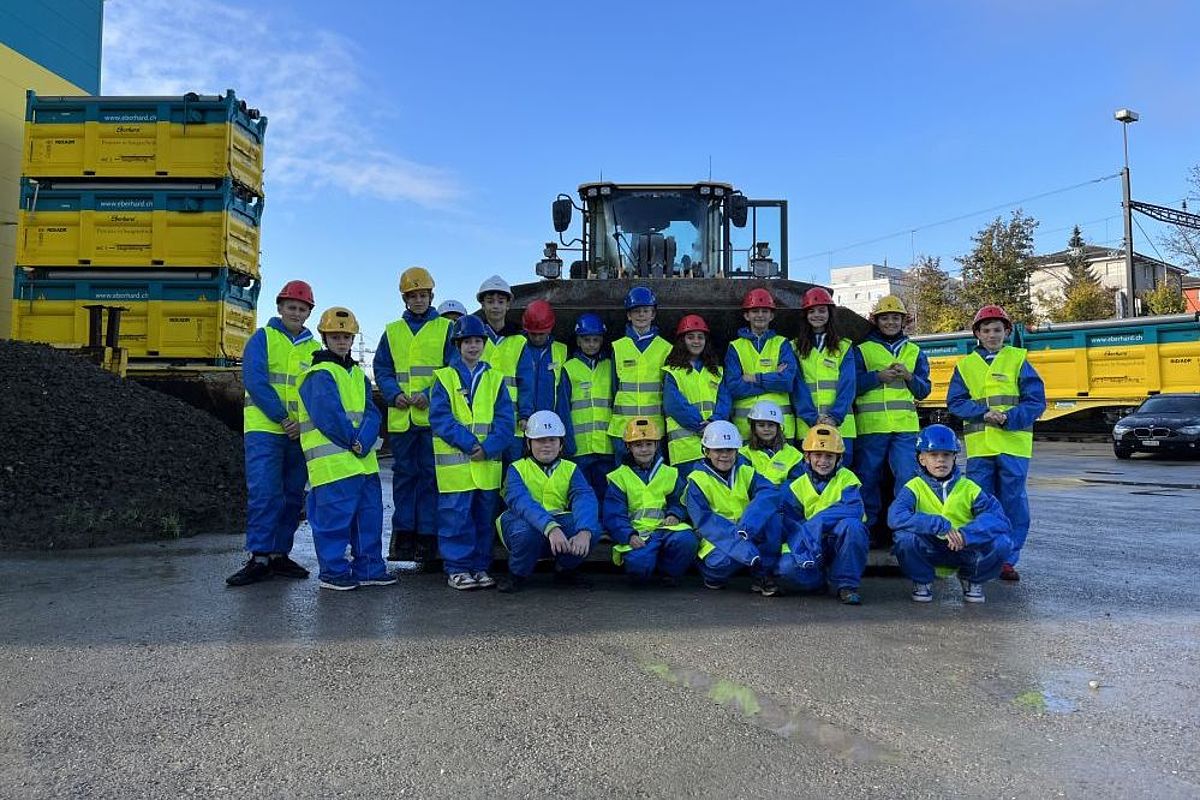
point(678, 456)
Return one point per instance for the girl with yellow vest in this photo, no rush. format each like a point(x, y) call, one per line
point(643, 510)
point(945, 523)
point(551, 510)
point(339, 427)
point(589, 388)
point(998, 395)
point(769, 453)
point(472, 420)
point(760, 364)
point(826, 541)
point(694, 393)
point(638, 359)
point(272, 362)
point(825, 385)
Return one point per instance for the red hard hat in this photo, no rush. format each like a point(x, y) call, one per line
point(757, 298)
point(816, 296)
point(296, 290)
point(692, 322)
point(991, 312)
point(538, 317)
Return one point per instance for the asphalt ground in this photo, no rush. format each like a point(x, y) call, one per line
point(134, 672)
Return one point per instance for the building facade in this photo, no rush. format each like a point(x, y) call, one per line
point(1049, 274)
point(859, 288)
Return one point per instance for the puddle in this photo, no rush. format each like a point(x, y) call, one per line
point(1043, 702)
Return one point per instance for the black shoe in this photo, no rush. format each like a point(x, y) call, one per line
point(403, 546)
point(509, 584)
point(849, 597)
point(254, 571)
point(768, 588)
point(569, 577)
point(284, 567)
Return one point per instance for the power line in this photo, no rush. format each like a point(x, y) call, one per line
point(1149, 239)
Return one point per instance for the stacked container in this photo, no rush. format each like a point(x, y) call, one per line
point(150, 203)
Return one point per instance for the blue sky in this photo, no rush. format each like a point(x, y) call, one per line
point(438, 133)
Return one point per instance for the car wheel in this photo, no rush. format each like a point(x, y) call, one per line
point(1122, 452)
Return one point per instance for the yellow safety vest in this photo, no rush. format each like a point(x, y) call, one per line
point(956, 508)
point(415, 357)
point(764, 363)
point(774, 467)
point(503, 358)
point(591, 406)
point(820, 370)
point(647, 502)
point(815, 502)
point(550, 491)
point(639, 382)
point(326, 461)
point(998, 386)
point(454, 469)
point(699, 388)
point(286, 362)
point(888, 408)
point(725, 501)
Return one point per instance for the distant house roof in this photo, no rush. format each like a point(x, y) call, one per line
point(1092, 252)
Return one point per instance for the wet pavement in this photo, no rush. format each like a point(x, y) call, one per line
point(134, 672)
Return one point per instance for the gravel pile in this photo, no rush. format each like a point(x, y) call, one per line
point(89, 459)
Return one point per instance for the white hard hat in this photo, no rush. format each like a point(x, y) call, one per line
point(721, 435)
point(767, 411)
point(451, 307)
point(493, 284)
point(544, 424)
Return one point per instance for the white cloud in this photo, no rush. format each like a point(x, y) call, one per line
point(305, 80)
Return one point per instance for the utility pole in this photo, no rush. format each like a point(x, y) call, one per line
point(1125, 116)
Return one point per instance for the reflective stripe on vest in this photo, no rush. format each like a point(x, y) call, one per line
point(286, 362)
point(454, 469)
point(888, 408)
point(996, 385)
point(552, 492)
point(326, 461)
point(956, 508)
point(646, 502)
point(815, 502)
point(725, 501)
point(415, 357)
point(820, 370)
point(591, 406)
point(639, 382)
point(774, 467)
point(765, 363)
point(699, 389)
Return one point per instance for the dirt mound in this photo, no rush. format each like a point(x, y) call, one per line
point(89, 459)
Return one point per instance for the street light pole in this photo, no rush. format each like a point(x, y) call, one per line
point(1125, 117)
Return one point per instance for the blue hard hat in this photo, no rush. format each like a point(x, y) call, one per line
point(937, 439)
point(640, 296)
point(467, 326)
point(589, 325)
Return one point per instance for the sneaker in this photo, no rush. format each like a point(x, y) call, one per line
point(710, 584)
point(1009, 573)
point(508, 584)
point(386, 579)
point(768, 588)
point(850, 597)
point(922, 593)
point(462, 580)
point(756, 585)
point(972, 592)
point(252, 572)
point(483, 580)
point(339, 584)
point(284, 567)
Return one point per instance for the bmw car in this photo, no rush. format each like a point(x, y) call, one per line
point(1165, 423)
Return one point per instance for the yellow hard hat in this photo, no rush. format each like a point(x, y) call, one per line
point(338, 320)
point(823, 439)
point(641, 429)
point(889, 304)
point(415, 278)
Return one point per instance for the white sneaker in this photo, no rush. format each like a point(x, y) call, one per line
point(462, 580)
point(972, 592)
point(386, 579)
point(483, 580)
point(922, 593)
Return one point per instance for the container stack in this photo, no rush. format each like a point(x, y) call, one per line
point(148, 204)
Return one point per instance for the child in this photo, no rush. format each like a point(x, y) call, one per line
point(693, 392)
point(823, 514)
point(998, 394)
point(891, 374)
point(540, 368)
point(760, 364)
point(941, 519)
point(472, 420)
point(504, 344)
point(769, 453)
point(339, 425)
point(638, 359)
point(643, 510)
point(275, 357)
point(589, 387)
point(452, 310)
point(735, 512)
point(411, 349)
point(551, 509)
point(825, 385)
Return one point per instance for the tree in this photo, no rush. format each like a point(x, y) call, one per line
point(1082, 298)
point(1164, 298)
point(1183, 243)
point(997, 269)
point(932, 298)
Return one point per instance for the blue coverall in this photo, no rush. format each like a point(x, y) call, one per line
point(595, 466)
point(768, 382)
point(641, 341)
point(676, 406)
point(536, 390)
point(761, 522)
point(843, 403)
point(525, 523)
point(669, 552)
point(836, 536)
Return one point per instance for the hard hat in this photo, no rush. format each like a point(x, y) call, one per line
point(720, 434)
point(767, 411)
point(493, 284)
point(538, 317)
point(589, 325)
point(338, 320)
point(641, 429)
point(757, 298)
point(823, 439)
point(816, 296)
point(989, 312)
point(692, 322)
point(414, 279)
point(640, 296)
point(937, 439)
point(889, 304)
point(544, 424)
point(451, 307)
point(467, 326)
point(296, 290)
